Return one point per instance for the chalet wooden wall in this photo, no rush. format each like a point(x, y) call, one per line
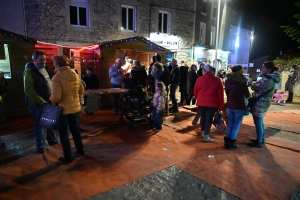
point(20, 53)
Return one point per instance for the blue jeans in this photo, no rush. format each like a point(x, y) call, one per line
point(116, 97)
point(207, 115)
point(235, 118)
point(156, 118)
point(36, 112)
point(260, 127)
point(70, 121)
point(173, 88)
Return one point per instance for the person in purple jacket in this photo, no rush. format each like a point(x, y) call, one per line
point(236, 90)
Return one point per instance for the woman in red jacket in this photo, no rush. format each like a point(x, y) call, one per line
point(209, 93)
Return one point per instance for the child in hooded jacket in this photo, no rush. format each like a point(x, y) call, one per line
point(158, 105)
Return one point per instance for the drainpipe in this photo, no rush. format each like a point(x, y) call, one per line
point(24, 16)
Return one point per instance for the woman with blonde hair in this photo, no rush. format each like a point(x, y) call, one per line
point(158, 105)
point(66, 90)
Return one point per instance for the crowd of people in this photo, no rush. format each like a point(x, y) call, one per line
point(197, 85)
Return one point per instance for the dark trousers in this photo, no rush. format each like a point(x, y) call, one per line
point(116, 97)
point(207, 115)
point(173, 89)
point(38, 130)
point(183, 93)
point(290, 97)
point(190, 98)
point(70, 121)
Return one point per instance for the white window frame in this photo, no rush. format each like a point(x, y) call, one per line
point(204, 13)
point(212, 12)
point(127, 18)
point(212, 36)
point(202, 33)
point(168, 21)
point(82, 4)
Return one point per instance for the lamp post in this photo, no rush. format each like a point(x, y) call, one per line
point(251, 40)
point(250, 48)
point(217, 37)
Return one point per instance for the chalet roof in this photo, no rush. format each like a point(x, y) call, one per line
point(154, 47)
point(17, 36)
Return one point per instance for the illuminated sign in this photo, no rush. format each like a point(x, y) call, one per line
point(167, 41)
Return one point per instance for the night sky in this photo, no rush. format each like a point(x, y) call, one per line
point(265, 17)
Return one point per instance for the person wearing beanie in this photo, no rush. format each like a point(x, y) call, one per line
point(236, 90)
point(264, 89)
point(209, 93)
point(90, 79)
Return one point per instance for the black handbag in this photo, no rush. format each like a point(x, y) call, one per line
point(253, 100)
point(50, 116)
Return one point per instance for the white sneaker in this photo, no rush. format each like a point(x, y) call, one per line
point(202, 133)
point(206, 138)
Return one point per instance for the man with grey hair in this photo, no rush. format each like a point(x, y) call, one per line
point(116, 74)
point(37, 88)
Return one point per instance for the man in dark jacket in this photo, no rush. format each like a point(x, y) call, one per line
point(183, 83)
point(37, 88)
point(174, 80)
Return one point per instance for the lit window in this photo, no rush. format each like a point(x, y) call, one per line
point(203, 10)
point(164, 23)
point(202, 33)
point(5, 60)
point(79, 13)
point(212, 36)
point(128, 18)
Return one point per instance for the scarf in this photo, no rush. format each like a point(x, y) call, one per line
point(157, 75)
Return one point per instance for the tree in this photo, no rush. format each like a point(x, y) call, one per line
point(293, 32)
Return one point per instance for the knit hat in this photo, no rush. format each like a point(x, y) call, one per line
point(237, 70)
point(207, 68)
point(90, 68)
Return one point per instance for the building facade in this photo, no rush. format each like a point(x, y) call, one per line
point(205, 37)
point(84, 22)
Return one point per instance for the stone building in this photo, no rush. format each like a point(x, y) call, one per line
point(85, 22)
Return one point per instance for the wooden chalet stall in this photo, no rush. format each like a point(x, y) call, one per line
point(137, 48)
point(15, 51)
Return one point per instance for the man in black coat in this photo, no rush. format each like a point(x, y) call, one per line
point(183, 83)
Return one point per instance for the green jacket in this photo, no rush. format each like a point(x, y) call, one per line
point(35, 88)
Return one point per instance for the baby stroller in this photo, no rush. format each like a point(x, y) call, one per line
point(277, 97)
point(136, 107)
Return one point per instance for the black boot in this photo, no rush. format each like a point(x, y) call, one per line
point(254, 141)
point(226, 142)
point(231, 145)
point(256, 144)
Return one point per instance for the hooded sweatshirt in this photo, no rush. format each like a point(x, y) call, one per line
point(66, 89)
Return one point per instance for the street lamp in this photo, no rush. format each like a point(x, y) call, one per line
point(251, 40)
point(217, 37)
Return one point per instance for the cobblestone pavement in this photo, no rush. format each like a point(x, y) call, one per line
point(170, 183)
